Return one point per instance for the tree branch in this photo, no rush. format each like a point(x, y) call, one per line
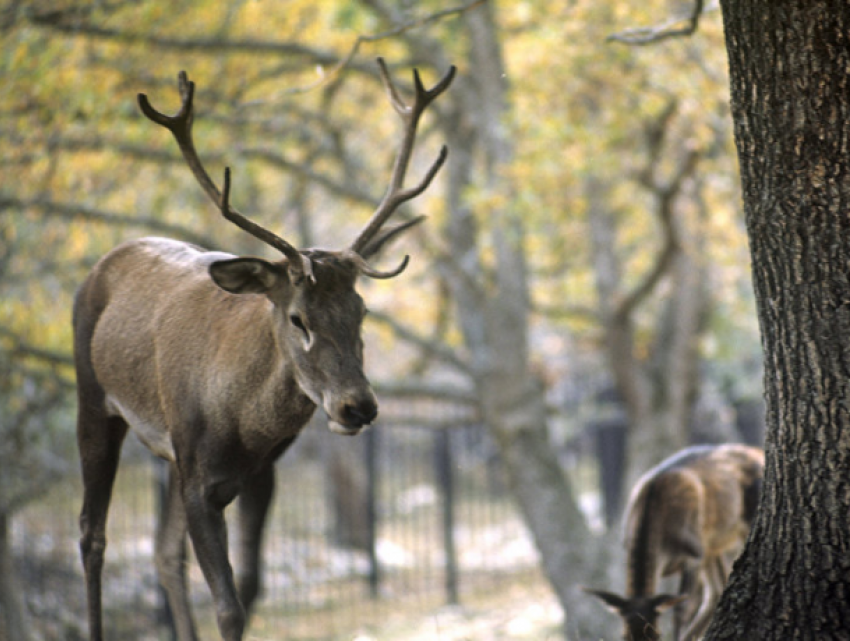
point(21, 347)
point(391, 33)
point(274, 159)
point(650, 35)
point(662, 263)
point(74, 212)
point(335, 187)
point(438, 350)
point(412, 403)
point(74, 24)
point(418, 389)
point(666, 193)
point(213, 44)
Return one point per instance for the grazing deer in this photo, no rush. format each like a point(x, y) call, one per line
point(217, 362)
point(690, 515)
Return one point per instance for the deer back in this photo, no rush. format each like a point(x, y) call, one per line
point(696, 504)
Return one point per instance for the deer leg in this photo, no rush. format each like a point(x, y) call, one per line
point(204, 506)
point(99, 439)
point(711, 582)
point(715, 581)
point(724, 565)
point(171, 558)
point(683, 611)
point(254, 502)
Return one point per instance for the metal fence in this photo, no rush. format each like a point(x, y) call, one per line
point(398, 518)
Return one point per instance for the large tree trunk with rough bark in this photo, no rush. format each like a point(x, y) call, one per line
point(790, 86)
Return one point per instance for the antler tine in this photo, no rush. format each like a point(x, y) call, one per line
point(180, 125)
point(410, 114)
point(371, 272)
point(299, 264)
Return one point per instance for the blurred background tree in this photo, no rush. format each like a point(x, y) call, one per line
point(585, 233)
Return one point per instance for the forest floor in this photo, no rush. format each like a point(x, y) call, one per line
point(515, 612)
point(517, 608)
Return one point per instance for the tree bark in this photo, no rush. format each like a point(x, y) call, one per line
point(790, 93)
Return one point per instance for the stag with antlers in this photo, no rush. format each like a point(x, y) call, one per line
point(217, 362)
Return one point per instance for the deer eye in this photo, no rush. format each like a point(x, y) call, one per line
point(296, 321)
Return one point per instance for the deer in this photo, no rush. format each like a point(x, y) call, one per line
point(688, 516)
point(216, 362)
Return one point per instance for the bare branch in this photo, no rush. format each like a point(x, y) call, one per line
point(274, 159)
point(403, 419)
point(426, 390)
point(77, 212)
point(335, 187)
point(439, 325)
point(662, 263)
point(412, 403)
point(347, 59)
point(650, 35)
point(75, 25)
point(666, 193)
point(214, 44)
point(434, 348)
point(20, 347)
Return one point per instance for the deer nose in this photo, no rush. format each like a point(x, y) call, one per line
point(360, 413)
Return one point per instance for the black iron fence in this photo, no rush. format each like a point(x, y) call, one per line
point(400, 517)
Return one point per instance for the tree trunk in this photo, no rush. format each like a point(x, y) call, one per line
point(790, 91)
point(493, 307)
point(659, 388)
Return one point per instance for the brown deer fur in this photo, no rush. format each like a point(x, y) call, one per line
point(216, 362)
point(689, 516)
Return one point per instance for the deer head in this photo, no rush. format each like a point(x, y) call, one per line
point(639, 614)
point(317, 311)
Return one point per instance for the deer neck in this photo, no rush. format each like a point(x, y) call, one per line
point(645, 547)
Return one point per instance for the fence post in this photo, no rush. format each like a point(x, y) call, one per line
point(611, 455)
point(445, 480)
point(372, 509)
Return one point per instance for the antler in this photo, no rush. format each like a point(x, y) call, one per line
point(180, 125)
point(395, 195)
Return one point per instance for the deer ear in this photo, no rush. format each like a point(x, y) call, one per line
point(613, 601)
point(245, 275)
point(661, 602)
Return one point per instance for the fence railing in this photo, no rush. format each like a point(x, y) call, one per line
point(399, 515)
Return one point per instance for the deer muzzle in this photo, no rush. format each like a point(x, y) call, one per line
point(353, 413)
